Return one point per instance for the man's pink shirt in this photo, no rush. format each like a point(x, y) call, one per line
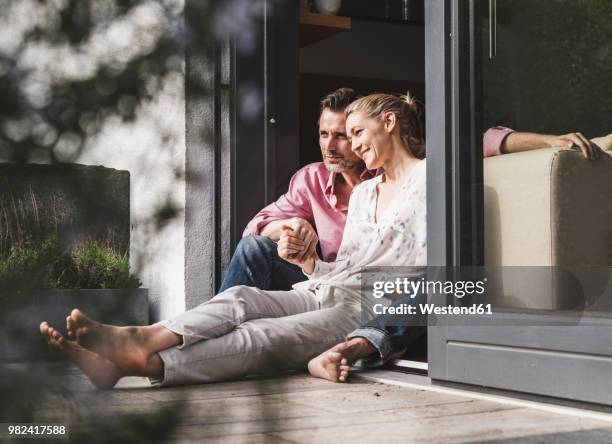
point(311, 196)
point(492, 140)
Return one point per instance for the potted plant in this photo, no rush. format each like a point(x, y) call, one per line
point(39, 281)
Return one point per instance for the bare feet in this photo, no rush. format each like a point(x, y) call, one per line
point(334, 364)
point(102, 373)
point(123, 346)
point(329, 365)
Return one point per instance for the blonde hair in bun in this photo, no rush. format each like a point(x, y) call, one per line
point(408, 112)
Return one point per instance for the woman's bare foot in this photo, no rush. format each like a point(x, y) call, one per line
point(123, 346)
point(334, 364)
point(329, 365)
point(102, 373)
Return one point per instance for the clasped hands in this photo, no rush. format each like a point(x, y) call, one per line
point(298, 244)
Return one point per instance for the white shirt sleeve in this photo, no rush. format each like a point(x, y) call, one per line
point(357, 203)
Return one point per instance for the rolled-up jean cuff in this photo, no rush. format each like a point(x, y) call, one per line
point(169, 373)
point(174, 328)
point(378, 338)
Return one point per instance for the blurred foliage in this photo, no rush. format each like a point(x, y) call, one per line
point(68, 66)
point(115, 55)
point(35, 264)
point(31, 393)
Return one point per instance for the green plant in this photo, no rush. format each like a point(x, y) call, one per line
point(29, 264)
point(34, 264)
point(93, 265)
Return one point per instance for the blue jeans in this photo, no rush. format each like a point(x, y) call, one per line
point(391, 334)
point(256, 263)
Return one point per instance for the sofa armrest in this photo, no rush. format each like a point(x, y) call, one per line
point(605, 143)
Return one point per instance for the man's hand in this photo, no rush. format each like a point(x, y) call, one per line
point(517, 142)
point(307, 233)
point(291, 247)
point(578, 142)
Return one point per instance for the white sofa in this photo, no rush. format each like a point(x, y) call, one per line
point(547, 208)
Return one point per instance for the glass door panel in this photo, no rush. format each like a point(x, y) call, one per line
point(542, 68)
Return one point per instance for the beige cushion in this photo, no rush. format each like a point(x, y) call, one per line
point(604, 143)
point(546, 207)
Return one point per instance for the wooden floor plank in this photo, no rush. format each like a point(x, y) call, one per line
point(295, 383)
point(299, 409)
point(193, 435)
point(595, 436)
point(367, 398)
point(486, 426)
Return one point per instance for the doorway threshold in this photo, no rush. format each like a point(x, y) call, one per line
point(542, 403)
point(407, 366)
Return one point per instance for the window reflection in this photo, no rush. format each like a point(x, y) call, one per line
point(548, 198)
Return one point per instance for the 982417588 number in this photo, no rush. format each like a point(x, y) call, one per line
point(23, 430)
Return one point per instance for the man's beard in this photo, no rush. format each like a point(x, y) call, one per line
point(343, 166)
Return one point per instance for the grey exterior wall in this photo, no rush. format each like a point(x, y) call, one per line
point(199, 200)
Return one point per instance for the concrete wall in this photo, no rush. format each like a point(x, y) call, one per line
point(200, 221)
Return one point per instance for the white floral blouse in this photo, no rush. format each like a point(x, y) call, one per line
point(399, 238)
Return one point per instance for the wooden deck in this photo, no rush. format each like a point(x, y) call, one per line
point(300, 409)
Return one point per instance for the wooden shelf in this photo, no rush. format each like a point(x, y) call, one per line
point(315, 27)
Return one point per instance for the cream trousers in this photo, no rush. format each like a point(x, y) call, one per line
point(245, 331)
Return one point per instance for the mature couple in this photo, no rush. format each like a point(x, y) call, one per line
point(266, 317)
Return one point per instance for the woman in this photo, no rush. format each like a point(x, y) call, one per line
point(245, 330)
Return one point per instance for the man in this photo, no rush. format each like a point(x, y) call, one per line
point(315, 206)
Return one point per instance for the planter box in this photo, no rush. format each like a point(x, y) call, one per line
point(79, 202)
point(21, 315)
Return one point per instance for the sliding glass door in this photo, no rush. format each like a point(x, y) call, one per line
point(530, 81)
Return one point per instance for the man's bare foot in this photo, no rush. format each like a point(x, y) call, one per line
point(329, 365)
point(334, 364)
point(102, 373)
point(123, 346)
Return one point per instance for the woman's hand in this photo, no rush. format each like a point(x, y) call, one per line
point(307, 233)
point(295, 250)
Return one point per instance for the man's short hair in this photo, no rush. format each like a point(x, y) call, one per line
point(338, 100)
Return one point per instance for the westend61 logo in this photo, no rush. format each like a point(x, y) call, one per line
point(412, 287)
point(411, 296)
